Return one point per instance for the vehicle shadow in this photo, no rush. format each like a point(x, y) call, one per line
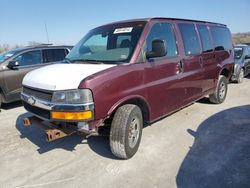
point(220, 155)
point(248, 76)
point(98, 144)
point(8, 106)
point(204, 100)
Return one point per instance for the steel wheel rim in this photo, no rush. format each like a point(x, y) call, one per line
point(222, 90)
point(133, 132)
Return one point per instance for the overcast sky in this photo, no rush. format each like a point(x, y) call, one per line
point(68, 20)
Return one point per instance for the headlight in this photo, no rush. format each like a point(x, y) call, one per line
point(78, 96)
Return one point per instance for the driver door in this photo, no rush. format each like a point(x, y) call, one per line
point(13, 77)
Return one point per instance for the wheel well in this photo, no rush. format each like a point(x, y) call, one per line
point(138, 102)
point(225, 73)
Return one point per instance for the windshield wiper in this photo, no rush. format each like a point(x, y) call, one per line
point(67, 60)
point(90, 61)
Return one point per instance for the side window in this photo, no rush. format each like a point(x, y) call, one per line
point(190, 39)
point(248, 50)
point(29, 58)
point(222, 38)
point(164, 32)
point(205, 38)
point(53, 55)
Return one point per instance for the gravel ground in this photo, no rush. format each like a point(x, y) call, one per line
point(203, 145)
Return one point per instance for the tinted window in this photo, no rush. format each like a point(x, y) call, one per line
point(52, 55)
point(109, 44)
point(190, 39)
point(248, 50)
point(222, 38)
point(164, 32)
point(238, 52)
point(29, 58)
point(205, 38)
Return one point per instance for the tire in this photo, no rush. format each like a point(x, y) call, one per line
point(240, 76)
point(1, 101)
point(220, 93)
point(126, 131)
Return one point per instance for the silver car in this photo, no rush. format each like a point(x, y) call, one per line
point(242, 62)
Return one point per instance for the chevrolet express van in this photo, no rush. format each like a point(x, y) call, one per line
point(126, 75)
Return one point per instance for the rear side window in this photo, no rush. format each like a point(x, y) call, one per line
point(29, 58)
point(190, 39)
point(248, 50)
point(164, 32)
point(222, 38)
point(205, 38)
point(53, 55)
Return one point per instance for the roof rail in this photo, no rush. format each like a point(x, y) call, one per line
point(40, 45)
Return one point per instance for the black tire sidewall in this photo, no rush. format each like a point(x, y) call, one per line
point(222, 79)
point(136, 112)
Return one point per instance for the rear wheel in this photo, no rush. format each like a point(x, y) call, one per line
point(126, 131)
point(220, 93)
point(1, 100)
point(241, 76)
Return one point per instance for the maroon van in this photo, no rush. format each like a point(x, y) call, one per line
point(125, 75)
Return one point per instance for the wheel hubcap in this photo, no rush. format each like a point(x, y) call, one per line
point(133, 132)
point(222, 91)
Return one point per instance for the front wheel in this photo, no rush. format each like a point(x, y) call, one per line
point(220, 92)
point(126, 131)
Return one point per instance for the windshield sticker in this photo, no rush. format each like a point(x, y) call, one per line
point(123, 30)
point(124, 56)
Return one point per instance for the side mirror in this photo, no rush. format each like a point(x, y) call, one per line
point(247, 57)
point(158, 49)
point(13, 65)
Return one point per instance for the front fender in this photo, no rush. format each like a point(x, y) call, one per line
point(127, 100)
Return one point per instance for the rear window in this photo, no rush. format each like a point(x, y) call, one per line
point(53, 55)
point(190, 39)
point(222, 38)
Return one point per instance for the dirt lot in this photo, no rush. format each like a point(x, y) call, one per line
point(203, 145)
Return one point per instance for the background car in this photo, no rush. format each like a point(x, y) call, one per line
point(16, 63)
point(242, 62)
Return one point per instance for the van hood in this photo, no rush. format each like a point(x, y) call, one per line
point(61, 76)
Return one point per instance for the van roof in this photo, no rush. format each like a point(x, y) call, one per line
point(165, 18)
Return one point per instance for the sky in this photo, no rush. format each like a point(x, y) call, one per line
point(67, 21)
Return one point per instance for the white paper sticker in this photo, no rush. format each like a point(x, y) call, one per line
point(123, 30)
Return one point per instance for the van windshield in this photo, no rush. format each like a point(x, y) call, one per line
point(111, 44)
point(238, 52)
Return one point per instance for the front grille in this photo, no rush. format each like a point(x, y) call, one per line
point(45, 95)
point(38, 111)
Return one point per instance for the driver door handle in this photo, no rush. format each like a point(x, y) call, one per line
point(181, 66)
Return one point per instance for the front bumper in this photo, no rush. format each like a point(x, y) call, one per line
point(44, 109)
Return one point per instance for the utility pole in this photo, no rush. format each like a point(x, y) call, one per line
point(46, 30)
